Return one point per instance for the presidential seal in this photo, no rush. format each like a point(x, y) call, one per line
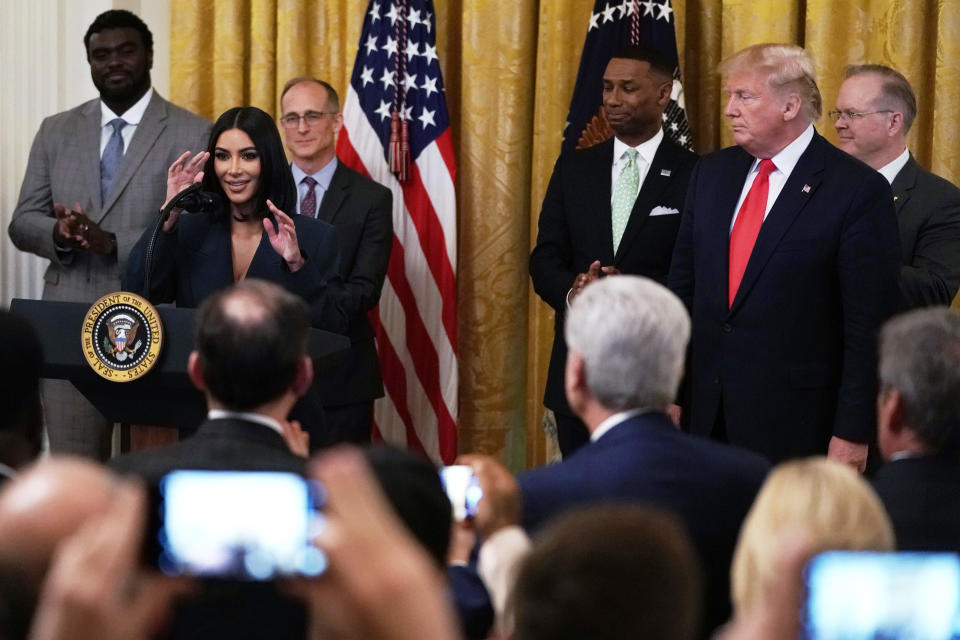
point(121, 336)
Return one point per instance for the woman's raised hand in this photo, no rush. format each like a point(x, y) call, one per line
point(181, 174)
point(284, 238)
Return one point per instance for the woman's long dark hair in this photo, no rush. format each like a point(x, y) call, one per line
point(276, 181)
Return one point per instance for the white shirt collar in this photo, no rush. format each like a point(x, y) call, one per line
point(892, 168)
point(789, 156)
point(259, 418)
point(613, 421)
point(646, 149)
point(133, 115)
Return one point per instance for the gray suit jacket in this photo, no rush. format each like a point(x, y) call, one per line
point(928, 214)
point(64, 167)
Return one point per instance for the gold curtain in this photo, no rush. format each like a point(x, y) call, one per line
point(509, 70)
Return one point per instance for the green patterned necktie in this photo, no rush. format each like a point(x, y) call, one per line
point(624, 195)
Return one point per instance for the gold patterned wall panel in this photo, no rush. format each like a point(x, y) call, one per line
point(562, 26)
point(509, 70)
point(496, 110)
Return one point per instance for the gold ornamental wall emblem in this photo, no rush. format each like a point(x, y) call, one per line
point(122, 336)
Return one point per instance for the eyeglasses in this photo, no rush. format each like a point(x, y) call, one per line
point(292, 120)
point(853, 115)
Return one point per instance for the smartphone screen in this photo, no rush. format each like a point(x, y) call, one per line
point(864, 595)
point(463, 489)
point(236, 525)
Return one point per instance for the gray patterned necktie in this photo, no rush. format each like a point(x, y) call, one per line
point(110, 160)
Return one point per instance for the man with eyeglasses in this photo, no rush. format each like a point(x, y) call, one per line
point(875, 108)
point(361, 210)
point(788, 260)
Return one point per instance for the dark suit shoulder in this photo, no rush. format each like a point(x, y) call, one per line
point(936, 187)
point(353, 179)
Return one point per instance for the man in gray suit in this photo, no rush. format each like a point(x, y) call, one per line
point(875, 108)
point(95, 178)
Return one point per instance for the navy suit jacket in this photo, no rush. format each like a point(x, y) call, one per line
point(361, 210)
point(922, 497)
point(793, 360)
point(928, 212)
point(575, 229)
point(195, 260)
point(645, 459)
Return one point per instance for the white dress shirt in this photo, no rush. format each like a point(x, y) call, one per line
point(613, 421)
point(131, 116)
point(259, 418)
point(645, 152)
point(785, 161)
point(892, 168)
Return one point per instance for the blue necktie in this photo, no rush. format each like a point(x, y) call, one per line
point(110, 160)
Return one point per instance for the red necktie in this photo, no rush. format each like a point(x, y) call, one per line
point(747, 226)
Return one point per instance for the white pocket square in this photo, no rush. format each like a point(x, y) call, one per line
point(663, 211)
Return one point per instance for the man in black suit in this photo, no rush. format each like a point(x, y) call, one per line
point(251, 363)
point(627, 338)
point(875, 108)
point(361, 210)
point(788, 258)
point(612, 208)
point(919, 429)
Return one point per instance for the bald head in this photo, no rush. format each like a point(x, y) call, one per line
point(47, 503)
point(39, 509)
point(251, 338)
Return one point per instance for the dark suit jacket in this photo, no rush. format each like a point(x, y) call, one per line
point(922, 497)
point(195, 260)
point(793, 361)
point(928, 212)
point(362, 212)
point(228, 609)
point(709, 486)
point(575, 229)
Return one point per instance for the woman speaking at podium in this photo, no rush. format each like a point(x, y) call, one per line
point(247, 234)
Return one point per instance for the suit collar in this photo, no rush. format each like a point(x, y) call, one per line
point(152, 124)
point(904, 183)
point(242, 430)
point(649, 419)
point(663, 170)
point(797, 191)
point(335, 195)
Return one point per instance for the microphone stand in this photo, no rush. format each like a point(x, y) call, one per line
point(161, 218)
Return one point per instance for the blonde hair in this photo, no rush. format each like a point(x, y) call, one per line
point(787, 67)
point(827, 501)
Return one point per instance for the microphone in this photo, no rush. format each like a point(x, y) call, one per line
point(199, 201)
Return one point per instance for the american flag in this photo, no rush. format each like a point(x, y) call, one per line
point(396, 130)
point(614, 25)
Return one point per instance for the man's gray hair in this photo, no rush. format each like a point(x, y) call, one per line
point(632, 334)
point(920, 358)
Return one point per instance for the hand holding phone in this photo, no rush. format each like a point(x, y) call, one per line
point(463, 489)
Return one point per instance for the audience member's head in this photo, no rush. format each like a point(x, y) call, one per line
point(608, 572)
point(875, 108)
point(21, 425)
point(919, 403)
point(825, 503)
point(119, 49)
point(413, 488)
point(772, 96)
point(251, 346)
point(627, 339)
point(39, 508)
